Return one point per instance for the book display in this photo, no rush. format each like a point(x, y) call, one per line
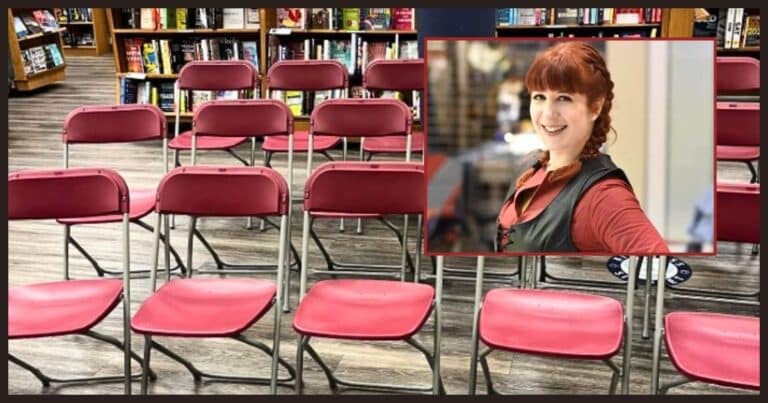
point(35, 48)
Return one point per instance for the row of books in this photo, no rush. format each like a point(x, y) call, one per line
point(189, 18)
point(301, 103)
point(733, 27)
point(573, 16)
point(354, 53)
point(168, 56)
point(346, 19)
point(64, 15)
point(161, 94)
point(34, 22)
point(633, 33)
point(41, 58)
point(74, 39)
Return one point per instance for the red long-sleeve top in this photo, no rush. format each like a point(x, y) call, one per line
point(607, 218)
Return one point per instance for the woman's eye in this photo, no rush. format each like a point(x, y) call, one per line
point(564, 98)
point(537, 97)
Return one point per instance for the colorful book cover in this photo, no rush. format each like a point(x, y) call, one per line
point(402, 19)
point(752, 31)
point(133, 57)
point(290, 18)
point(31, 23)
point(53, 49)
point(320, 18)
point(251, 52)
point(21, 29)
point(150, 58)
point(351, 19)
point(375, 18)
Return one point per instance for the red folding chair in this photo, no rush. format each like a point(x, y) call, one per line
point(737, 75)
point(738, 134)
point(218, 307)
point(364, 309)
point(359, 118)
point(393, 75)
point(115, 124)
point(304, 75)
point(553, 323)
point(707, 347)
point(214, 75)
point(70, 307)
point(234, 118)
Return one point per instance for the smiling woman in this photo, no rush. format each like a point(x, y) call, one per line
point(573, 198)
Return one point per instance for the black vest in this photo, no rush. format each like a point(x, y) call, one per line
point(550, 231)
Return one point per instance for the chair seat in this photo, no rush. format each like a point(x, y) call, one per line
point(737, 153)
point(715, 348)
point(61, 307)
point(204, 307)
point(184, 142)
point(557, 323)
point(300, 142)
point(393, 144)
point(142, 202)
point(364, 309)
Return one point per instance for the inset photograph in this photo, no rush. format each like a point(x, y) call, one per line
point(570, 146)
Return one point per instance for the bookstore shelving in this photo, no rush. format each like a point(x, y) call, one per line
point(87, 31)
point(35, 48)
point(354, 36)
point(737, 30)
point(593, 22)
point(151, 44)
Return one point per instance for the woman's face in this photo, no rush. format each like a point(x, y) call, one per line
point(562, 120)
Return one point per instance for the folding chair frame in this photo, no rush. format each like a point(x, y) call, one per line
point(128, 354)
point(101, 271)
point(224, 267)
point(273, 381)
point(335, 267)
point(433, 358)
point(529, 278)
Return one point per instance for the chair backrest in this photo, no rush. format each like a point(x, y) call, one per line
point(242, 118)
point(218, 191)
point(395, 75)
point(379, 188)
point(307, 75)
point(738, 123)
point(737, 74)
point(738, 212)
point(361, 118)
point(114, 123)
point(66, 193)
point(218, 75)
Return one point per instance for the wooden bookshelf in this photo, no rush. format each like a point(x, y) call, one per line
point(675, 22)
point(119, 34)
point(23, 81)
point(285, 36)
point(267, 28)
point(97, 28)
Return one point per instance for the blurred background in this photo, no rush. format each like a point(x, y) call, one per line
point(479, 128)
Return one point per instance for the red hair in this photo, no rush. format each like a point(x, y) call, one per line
point(576, 67)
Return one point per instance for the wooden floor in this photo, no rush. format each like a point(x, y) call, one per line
point(35, 250)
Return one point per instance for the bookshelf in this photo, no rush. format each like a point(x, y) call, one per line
point(593, 22)
point(714, 23)
point(87, 31)
point(36, 57)
point(128, 25)
point(355, 37)
point(183, 41)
